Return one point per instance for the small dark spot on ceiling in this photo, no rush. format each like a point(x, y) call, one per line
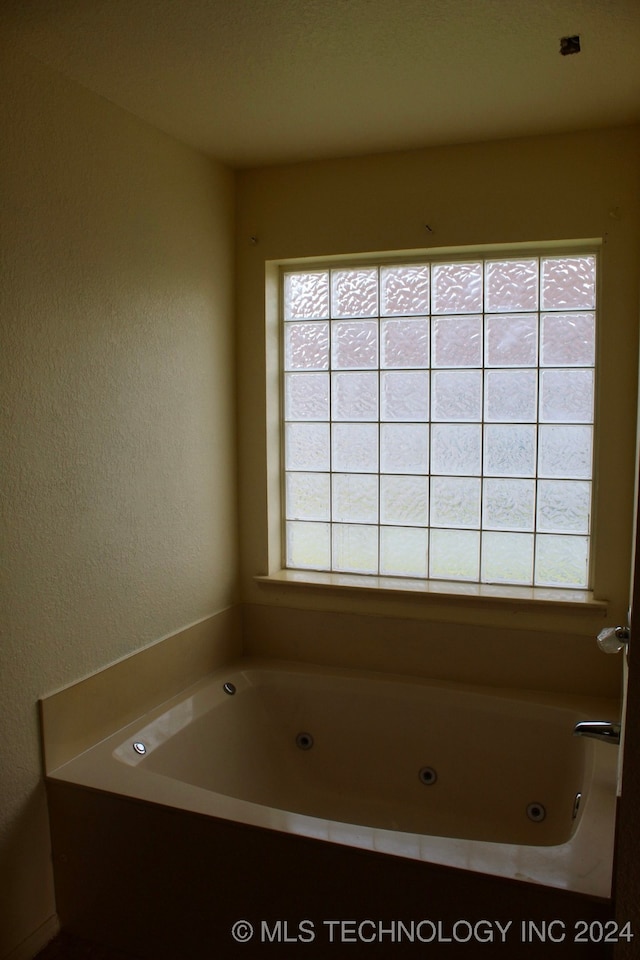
point(569, 45)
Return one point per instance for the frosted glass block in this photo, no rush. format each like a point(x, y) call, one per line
point(404, 448)
point(404, 343)
point(457, 288)
point(455, 502)
point(569, 283)
point(306, 295)
point(456, 395)
point(354, 396)
point(511, 285)
point(508, 504)
point(308, 496)
point(511, 396)
point(565, 452)
point(507, 558)
point(404, 500)
point(306, 346)
point(307, 446)
point(456, 449)
point(354, 345)
point(564, 506)
point(512, 340)
point(354, 498)
point(354, 447)
point(403, 552)
point(566, 396)
point(562, 561)
point(457, 342)
point(306, 396)
point(454, 554)
point(308, 545)
point(509, 450)
point(404, 395)
point(354, 293)
point(405, 290)
point(568, 340)
point(355, 548)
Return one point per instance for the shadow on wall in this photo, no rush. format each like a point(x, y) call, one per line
point(22, 858)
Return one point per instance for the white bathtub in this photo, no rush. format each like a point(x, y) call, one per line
point(407, 767)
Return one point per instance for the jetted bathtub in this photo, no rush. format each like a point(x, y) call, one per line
point(490, 781)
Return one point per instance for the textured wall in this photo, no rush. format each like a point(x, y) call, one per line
point(118, 421)
point(552, 188)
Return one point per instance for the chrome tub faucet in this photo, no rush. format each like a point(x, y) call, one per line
point(598, 730)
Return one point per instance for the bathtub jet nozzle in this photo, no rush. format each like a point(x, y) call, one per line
point(428, 776)
point(536, 812)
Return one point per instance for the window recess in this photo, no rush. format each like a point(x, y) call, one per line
point(439, 418)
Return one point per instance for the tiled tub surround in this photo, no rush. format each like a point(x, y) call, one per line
point(345, 757)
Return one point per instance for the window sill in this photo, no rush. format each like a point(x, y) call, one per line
point(441, 590)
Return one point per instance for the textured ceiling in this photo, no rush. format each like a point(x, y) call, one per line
point(267, 81)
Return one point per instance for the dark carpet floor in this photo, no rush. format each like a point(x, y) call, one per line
point(66, 947)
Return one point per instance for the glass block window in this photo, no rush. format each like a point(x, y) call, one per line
point(438, 419)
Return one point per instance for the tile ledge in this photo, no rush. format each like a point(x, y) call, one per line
point(440, 590)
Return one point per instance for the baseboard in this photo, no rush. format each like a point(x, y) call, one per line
point(36, 941)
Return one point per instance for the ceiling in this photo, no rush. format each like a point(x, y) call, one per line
point(254, 82)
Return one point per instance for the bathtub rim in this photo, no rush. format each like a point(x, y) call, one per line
point(581, 864)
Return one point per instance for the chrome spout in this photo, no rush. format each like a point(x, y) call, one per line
point(613, 639)
point(598, 730)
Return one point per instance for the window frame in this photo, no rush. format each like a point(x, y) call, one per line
point(278, 571)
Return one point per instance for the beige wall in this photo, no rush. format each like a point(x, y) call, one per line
point(118, 340)
point(118, 448)
point(533, 190)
